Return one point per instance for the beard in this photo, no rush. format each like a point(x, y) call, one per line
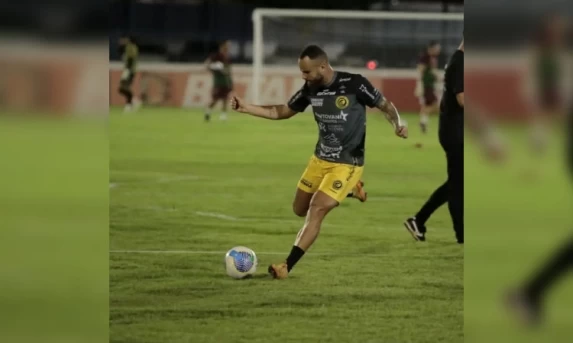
point(316, 82)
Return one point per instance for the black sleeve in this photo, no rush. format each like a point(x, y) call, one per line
point(458, 86)
point(367, 94)
point(299, 101)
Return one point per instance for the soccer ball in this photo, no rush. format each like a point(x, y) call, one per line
point(240, 262)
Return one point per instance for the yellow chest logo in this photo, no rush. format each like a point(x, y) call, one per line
point(342, 102)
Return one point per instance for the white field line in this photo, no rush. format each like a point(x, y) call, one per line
point(237, 220)
point(222, 253)
point(226, 217)
point(178, 178)
point(166, 178)
point(216, 215)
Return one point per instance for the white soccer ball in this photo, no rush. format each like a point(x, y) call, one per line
point(240, 262)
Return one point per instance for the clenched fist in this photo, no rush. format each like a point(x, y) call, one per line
point(402, 131)
point(238, 104)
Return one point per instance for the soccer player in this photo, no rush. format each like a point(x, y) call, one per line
point(219, 64)
point(451, 136)
point(338, 100)
point(547, 72)
point(426, 85)
point(130, 55)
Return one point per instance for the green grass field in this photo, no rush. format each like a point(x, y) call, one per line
point(182, 192)
point(516, 214)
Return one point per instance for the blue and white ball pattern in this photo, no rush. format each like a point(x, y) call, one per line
point(243, 260)
point(240, 262)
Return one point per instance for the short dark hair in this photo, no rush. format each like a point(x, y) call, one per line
point(313, 52)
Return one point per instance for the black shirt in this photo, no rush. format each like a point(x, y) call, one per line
point(451, 113)
point(340, 113)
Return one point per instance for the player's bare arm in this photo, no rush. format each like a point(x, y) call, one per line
point(273, 112)
point(419, 83)
point(393, 117)
point(421, 69)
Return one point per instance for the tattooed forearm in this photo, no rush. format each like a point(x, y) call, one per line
point(390, 111)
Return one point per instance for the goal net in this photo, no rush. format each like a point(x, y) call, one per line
point(353, 40)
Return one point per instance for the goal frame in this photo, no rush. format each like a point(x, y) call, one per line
point(260, 13)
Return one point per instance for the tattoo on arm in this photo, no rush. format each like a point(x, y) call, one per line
point(390, 111)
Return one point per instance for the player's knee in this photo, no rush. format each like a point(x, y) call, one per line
point(319, 209)
point(299, 210)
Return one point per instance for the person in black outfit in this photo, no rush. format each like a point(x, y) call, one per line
point(527, 301)
point(451, 138)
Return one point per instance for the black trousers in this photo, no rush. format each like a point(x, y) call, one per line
point(452, 190)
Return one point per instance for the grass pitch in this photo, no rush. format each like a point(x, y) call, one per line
point(183, 192)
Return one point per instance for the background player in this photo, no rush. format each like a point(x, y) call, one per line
point(339, 101)
point(426, 85)
point(219, 64)
point(546, 58)
point(129, 57)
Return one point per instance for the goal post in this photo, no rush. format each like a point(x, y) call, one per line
point(353, 37)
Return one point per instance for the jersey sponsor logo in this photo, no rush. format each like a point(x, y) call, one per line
point(331, 118)
point(316, 102)
point(330, 128)
point(365, 91)
point(329, 152)
point(335, 128)
point(345, 79)
point(327, 156)
point(326, 92)
point(332, 139)
point(342, 102)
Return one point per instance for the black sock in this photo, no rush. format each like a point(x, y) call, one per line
point(295, 255)
point(551, 272)
point(129, 97)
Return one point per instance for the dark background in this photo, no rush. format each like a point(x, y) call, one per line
point(187, 30)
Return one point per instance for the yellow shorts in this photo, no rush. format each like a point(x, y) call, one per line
point(334, 179)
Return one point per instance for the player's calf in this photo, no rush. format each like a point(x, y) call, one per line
point(208, 110)
point(320, 205)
